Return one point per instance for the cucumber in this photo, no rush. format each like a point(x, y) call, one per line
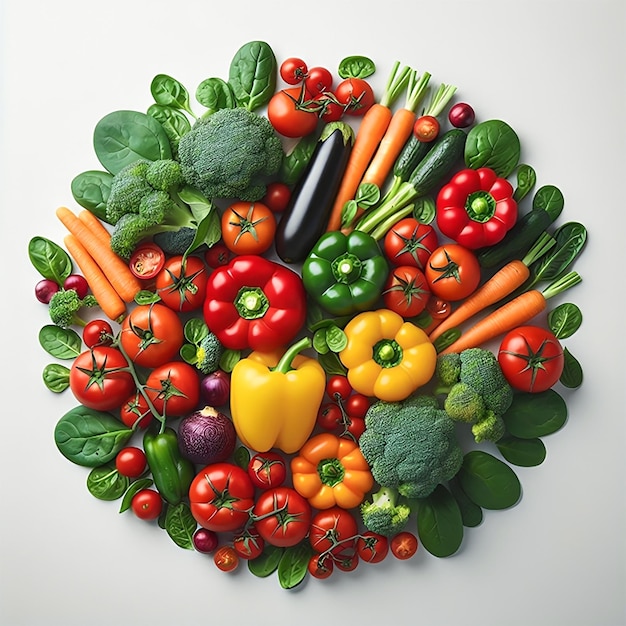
point(412, 153)
point(438, 162)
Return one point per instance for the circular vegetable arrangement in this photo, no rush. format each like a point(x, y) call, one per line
point(282, 347)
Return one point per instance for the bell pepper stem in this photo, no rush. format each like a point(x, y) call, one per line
point(284, 365)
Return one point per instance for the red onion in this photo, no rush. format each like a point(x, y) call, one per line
point(45, 289)
point(205, 540)
point(78, 283)
point(461, 115)
point(215, 388)
point(206, 436)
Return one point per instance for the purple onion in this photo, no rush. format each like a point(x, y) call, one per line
point(206, 436)
point(78, 283)
point(215, 388)
point(461, 115)
point(45, 289)
point(205, 540)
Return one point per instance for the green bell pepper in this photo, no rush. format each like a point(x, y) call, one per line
point(345, 273)
point(172, 473)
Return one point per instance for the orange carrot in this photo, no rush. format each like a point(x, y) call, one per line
point(369, 135)
point(108, 299)
point(95, 226)
point(514, 313)
point(117, 271)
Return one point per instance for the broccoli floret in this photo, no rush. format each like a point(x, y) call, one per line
point(164, 174)
point(175, 242)
point(208, 354)
point(64, 307)
point(478, 395)
point(233, 153)
point(410, 445)
point(384, 514)
point(128, 187)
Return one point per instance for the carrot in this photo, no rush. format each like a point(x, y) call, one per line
point(370, 133)
point(506, 280)
point(95, 226)
point(514, 313)
point(118, 272)
point(108, 299)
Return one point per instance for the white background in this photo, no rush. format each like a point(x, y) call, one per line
point(554, 70)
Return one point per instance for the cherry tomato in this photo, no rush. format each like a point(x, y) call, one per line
point(531, 358)
point(372, 547)
point(409, 242)
point(248, 227)
point(320, 565)
point(329, 416)
point(249, 544)
point(291, 112)
point(147, 504)
point(452, 272)
point(267, 470)
point(437, 308)
point(283, 516)
point(147, 261)
point(293, 70)
point(277, 197)
point(217, 255)
point(45, 289)
point(355, 426)
point(135, 412)
point(226, 559)
point(356, 95)
point(406, 291)
point(356, 405)
point(130, 461)
point(318, 80)
point(426, 128)
point(331, 110)
point(174, 388)
point(97, 333)
point(78, 283)
point(461, 115)
point(338, 387)
point(181, 284)
point(347, 562)
point(334, 530)
point(404, 545)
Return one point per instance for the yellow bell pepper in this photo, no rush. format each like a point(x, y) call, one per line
point(386, 356)
point(331, 471)
point(275, 398)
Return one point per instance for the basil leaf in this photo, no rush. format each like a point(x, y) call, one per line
point(61, 343)
point(494, 144)
point(572, 376)
point(267, 562)
point(168, 91)
point(90, 438)
point(135, 487)
point(123, 137)
point(367, 195)
point(56, 377)
point(252, 75)
point(91, 190)
point(49, 259)
point(195, 330)
point(471, 513)
point(320, 345)
point(526, 179)
point(356, 67)
point(336, 338)
point(439, 523)
point(489, 482)
point(522, 452)
point(535, 414)
point(180, 525)
point(565, 320)
point(215, 94)
point(106, 483)
point(293, 565)
point(424, 210)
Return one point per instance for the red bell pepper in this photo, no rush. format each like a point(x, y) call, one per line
point(476, 208)
point(254, 303)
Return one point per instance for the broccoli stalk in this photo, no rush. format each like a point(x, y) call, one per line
point(64, 307)
point(384, 514)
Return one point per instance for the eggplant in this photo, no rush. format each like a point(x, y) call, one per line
point(304, 220)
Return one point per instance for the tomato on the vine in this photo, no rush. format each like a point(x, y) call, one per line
point(174, 388)
point(217, 255)
point(318, 80)
point(329, 416)
point(409, 242)
point(267, 470)
point(282, 516)
point(452, 272)
point(372, 547)
point(531, 358)
point(403, 545)
point(100, 379)
point(347, 562)
point(356, 405)
point(226, 559)
point(277, 196)
point(97, 333)
point(249, 544)
point(356, 94)
point(147, 504)
point(320, 565)
point(135, 412)
point(426, 128)
point(333, 530)
point(293, 70)
point(292, 113)
point(331, 110)
point(181, 284)
point(406, 291)
point(338, 387)
point(248, 227)
point(130, 461)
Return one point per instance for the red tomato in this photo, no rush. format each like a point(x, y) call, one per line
point(248, 227)
point(135, 412)
point(410, 242)
point(267, 470)
point(174, 388)
point(338, 387)
point(99, 378)
point(347, 562)
point(147, 504)
point(404, 545)
point(226, 559)
point(130, 461)
point(249, 544)
point(291, 113)
point(357, 405)
point(152, 334)
point(293, 70)
point(217, 255)
point(277, 196)
point(355, 426)
point(531, 358)
point(406, 291)
point(97, 333)
point(426, 128)
point(330, 109)
point(356, 95)
point(221, 496)
point(282, 516)
point(329, 416)
point(147, 261)
point(182, 286)
point(318, 80)
point(334, 530)
point(372, 547)
point(321, 565)
point(452, 272)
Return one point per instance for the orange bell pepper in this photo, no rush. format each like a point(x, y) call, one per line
point(331, 471)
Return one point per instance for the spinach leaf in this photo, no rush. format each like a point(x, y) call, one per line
point(439, 523)
point(526, 179)
point(267, 562)
point(493, 144)
point(90, 438)
point(49, 259)
point(570, 241)
point(123, 137)
point(252, 75)
point(174, 123)
point(522, 452)
point(356, 67)
point(424, 210)
point(56, 377)
point(295, 161)
point(180, 525)
point(106, 483)
point(535, 414)
point(471, 513)
point(572, 376)
point(61, 343)
point(489, 482)
point(241, 456)
point(549, 199)
point(215, 94)
point(169, 92)
point(293, 565)
point(91, 190)
point(134, 488)
point(565, 320)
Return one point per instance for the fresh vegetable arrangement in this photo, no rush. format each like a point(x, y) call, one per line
point(311, 325)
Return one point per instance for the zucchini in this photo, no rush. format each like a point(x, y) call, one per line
point(438, 162)
point(305, 218)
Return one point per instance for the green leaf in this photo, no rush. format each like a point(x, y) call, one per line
point(367, 195)
point(295, 161)
point(535, 414)
point(174, 122)
point(134, 488)
point(215, 94)
point(424, 210)
point(252, 75)
point(471, 513)
point(56, 377)
point(293, 565)
point(189, 353)
point(168, 91)
point(195, 330)
point(494, 144)
point(565, 320)
point(106, 483)
point(356, 66)
point(336, 338)
point(180, 525)
point(526, 179)
point(489, 482)
point(91, 190)
point(267, 562)
point(439, 523)
point(229, 359)
point(49, 259)
point(61, 343)
point(522, 452)
point(331, 364)
point(320, 345)
point(146, 296)
point(242, 457)
point(572, 376)
point(549, 199)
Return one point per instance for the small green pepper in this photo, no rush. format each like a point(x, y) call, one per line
point(172, 473)
point(345, 273)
